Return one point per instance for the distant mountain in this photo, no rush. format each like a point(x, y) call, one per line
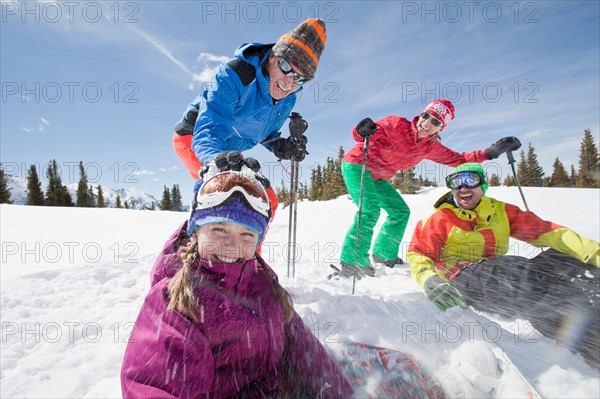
point(136, 199)
point(18, 189)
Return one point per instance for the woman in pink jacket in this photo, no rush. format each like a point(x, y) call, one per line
point(221, 326)
point(396, 143)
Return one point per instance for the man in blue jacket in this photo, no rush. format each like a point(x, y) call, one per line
point(249, 99)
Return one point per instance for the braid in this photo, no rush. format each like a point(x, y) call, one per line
point(182, 297)
point(281, 294)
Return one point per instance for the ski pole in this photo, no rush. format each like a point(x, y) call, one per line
point(511, 162)
point(360, 205)
point(292, 219)
point(297, 128)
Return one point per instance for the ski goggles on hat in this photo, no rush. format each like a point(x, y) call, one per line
point(287, 70)
point(467, 179)
point(434, 121)
point(222, 188)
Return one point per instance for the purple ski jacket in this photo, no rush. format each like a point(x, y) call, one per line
point(240, 348)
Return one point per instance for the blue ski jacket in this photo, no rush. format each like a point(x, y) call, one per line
point(235, 110)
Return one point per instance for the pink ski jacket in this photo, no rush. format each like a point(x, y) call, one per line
point(240, 348)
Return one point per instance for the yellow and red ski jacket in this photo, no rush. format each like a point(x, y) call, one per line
point(453, 238)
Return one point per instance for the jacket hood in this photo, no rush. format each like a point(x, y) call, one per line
point(253, 53)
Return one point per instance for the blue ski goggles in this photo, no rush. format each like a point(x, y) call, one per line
point(467, 179)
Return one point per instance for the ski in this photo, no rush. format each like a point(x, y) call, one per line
point(509, 368)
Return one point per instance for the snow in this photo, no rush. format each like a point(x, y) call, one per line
point(73, 280)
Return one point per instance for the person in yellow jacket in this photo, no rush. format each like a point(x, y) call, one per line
point(458, 255)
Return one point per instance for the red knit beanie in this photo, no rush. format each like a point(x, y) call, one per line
point(442, 110)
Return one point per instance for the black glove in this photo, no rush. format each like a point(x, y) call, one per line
point(290, 148)
point(503, 145)
point(366, 127)
point(443, 294)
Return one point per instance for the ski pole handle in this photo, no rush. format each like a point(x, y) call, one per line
point(297, 126)
point(510, 157)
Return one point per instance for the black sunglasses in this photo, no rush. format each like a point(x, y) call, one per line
point(287, 70)
point(434, 121)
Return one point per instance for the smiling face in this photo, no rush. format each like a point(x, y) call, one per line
point(426, 129)
point(226, 242)
point(467, 198)
point(280, 86)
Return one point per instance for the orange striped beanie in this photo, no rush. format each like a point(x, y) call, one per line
point(302, 46)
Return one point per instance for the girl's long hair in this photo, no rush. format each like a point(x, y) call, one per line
point(181, 288)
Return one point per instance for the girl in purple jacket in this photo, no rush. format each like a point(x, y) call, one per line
point(216, 322)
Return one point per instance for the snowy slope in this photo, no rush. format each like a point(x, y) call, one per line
point(72, 282)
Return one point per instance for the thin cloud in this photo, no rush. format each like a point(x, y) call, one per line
point(143, 172)
point(211, 63)
point(161, 49)
point(41, 127)
point(171, 169)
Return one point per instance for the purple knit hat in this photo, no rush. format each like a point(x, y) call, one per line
point(235, 211)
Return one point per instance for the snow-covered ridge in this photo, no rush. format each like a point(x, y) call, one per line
point(135, 198)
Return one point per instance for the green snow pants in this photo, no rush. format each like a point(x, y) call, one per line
point(377, 194)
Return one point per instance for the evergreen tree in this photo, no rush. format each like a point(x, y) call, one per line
point(536, 173)
point(494, 180)
point(559, 177)
point(330, 188)
point(283, 194)
point(91, 196)
point(165, 204)
point(35, 195)
point(509, 181)
point(316, 184)
point(547, 181)
point(56, 193)
point(425, 182)
point(118, 202)
point(176, 203)
point(126, 206)
point(4, 190)
point(337, 180)
point(523, 170)
point(529, 171)
point(101, 203)
point(405, 181)
point(83, 193)
point(573, 176)
point(589, 162)
point(302, 191)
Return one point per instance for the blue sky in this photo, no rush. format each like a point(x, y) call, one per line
point(104, 82)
